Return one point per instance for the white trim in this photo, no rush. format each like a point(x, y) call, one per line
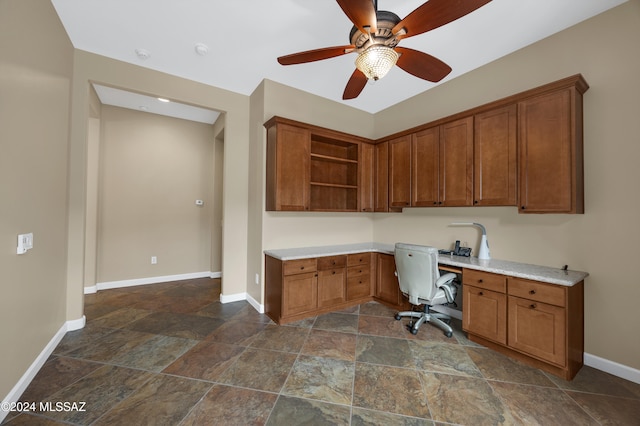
point(256, 305)
point(232, 297)
point(19, 388)
point(91, 290)
point(612, 367)
point(215, 275)
point(151, 280)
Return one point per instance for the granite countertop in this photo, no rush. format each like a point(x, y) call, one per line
point(504, 267)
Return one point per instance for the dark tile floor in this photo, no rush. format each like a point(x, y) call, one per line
point(172, 354)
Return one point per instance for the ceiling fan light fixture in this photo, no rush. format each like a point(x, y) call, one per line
point(376, 61)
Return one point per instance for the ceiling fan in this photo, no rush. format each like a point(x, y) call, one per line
point(375, 37)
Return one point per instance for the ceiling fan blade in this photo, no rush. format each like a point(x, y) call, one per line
point(422, 65)
point(315, 55)
point(355, 85)
point(434, 14)
point(362, 13)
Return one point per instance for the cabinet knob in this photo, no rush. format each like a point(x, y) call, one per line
point(481, 293)
point(333, 272)
point(523, 207)
point(435, 202)
point(406, 204)
point(475, 201)
point(480, 280)
point(532, 292)
point(301, 268)
point(532, 306)
point(439, 202)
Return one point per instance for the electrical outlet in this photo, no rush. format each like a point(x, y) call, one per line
point(257, 279)
point(465, 244)
point(154, 260)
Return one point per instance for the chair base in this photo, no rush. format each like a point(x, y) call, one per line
point(426, 316)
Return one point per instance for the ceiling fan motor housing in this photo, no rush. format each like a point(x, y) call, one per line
point(383, 35)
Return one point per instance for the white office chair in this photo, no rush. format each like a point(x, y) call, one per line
point(420, 281)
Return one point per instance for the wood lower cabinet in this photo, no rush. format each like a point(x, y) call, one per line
point(332, 280)
point(387, 286)
point(296, 289)
point(484, 305)
point(538, 323)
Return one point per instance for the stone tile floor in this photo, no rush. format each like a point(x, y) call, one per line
point(172, 354)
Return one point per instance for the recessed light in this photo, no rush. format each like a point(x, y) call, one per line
point(143, 54)
point(163, 100)
point(202, 49)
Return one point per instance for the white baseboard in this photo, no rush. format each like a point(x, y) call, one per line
point(256, 305)
point(151, 280)
point(15, 393)
point(611, 367)
point(228, 298)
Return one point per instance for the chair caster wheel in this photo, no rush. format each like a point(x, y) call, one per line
point(414, 331)
point(398, 317)
point(448, 334)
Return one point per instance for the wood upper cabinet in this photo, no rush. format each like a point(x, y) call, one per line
point(381, 186)
point(495, 157)
point(367, 183)
point(288, 166)
point(456, 163)
point(312, 168)
point(400, 172)
point(425, 168)
point(550, 138)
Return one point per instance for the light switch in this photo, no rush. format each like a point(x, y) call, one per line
point(25, 242)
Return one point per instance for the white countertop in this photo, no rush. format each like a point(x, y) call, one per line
point(504, 267)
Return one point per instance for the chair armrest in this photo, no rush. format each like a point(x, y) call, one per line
point(445, 279)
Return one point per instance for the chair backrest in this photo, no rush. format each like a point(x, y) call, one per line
point(417, 269)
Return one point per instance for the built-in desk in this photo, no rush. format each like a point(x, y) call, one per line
point(529, 312)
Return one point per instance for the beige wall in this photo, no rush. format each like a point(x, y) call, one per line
point(152, 169)
point(605, 50)
point(35, 76)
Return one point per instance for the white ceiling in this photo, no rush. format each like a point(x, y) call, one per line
point(244, 38)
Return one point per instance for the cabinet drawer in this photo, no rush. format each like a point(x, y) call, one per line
point(331, 262)
point(356, 271)
point(540, 292)
point(358, 259)
point(300, 266)
point(358, 285)
point(485, 280)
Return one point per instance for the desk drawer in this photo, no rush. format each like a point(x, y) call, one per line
point(358, 285)
point(300, 266)
point(358, 259)
point(486, 280)
point(331, 262)
point(540, 292)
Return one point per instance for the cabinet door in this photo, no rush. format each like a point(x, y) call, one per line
point(425, 158)
point(495, 145)
point(387, 287)
point(382, 177)
point(484, 313)
point(366, 184)
point(400, 172)
point(358, 282)
point(549, 180)
point(299, 293)
point(331, 287)
point(456, 163)
point(288, 168)
point(537, 329)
